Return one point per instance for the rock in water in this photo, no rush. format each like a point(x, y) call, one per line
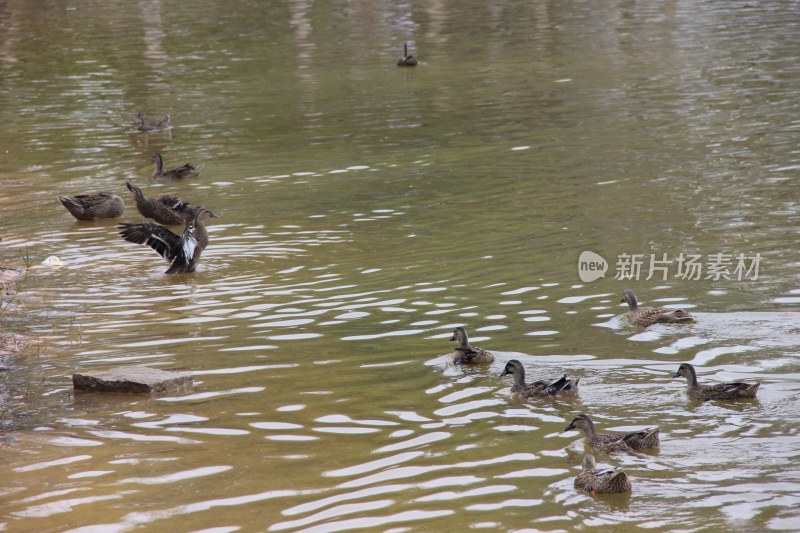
point(138, 379)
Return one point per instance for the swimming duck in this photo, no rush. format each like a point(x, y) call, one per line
point(155, 125)
point(720, 391)
point(647, 316)
point(559, 387)
point(466, 354)
point(186, 171)
point(164, 209)
point(594, 481)
point(407, 60)
point(92, 206)
point(182, 250)
point(637, 440)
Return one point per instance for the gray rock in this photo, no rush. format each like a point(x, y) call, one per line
point(138, 379)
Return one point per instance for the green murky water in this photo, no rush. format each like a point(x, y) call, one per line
point(366, 210)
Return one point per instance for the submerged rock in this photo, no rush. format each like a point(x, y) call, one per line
point(138, 379)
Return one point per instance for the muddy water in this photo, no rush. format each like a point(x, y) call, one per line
point(366, 210)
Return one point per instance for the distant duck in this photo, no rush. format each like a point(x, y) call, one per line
point(93, 206)
point(594, 481)
point(186, 171)
point(720, 391)
point(559, 387)
point(647, 316)
point(466, 354)
point(619, 442)
point(164, 209)
point(155, 125)
point(407, 60)
point(183, 251)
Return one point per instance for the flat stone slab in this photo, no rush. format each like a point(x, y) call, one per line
point(137, 379)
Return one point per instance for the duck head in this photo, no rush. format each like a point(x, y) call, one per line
point(460, 335)
point(629, 298)
point(513, 367)
point(687, 371)
point(589, 463)
point(582, 422)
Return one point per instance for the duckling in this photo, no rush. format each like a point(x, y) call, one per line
point(594, 481)
point(638, 440)
point(182, 250)
point(186, 171)
point(647, 316)
point(720, 391)
point(466, 354)
point(559, 387)
point(164, 209)
point(407, 60)
point(93, 206)
point(155, 125)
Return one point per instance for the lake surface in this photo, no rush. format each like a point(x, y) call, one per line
point(365, 211)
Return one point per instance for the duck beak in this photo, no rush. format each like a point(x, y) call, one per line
point(677, 374)
point(213, 215)
point(569, 427)
point(622, 300)
point(452, 338)
point(504, 373)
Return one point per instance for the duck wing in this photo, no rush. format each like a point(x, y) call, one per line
point(647, 438)
point(729, 390)
point(156, 236)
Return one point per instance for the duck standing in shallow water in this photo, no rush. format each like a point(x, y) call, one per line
point(93, 206)
point(186, 171)
point(164, 209)
point(407, 60)
point(594, 481)
point(161, 124)
point(647, 316)
point(183, 251)
point(559, 387)
point(466, 354)
point(621, 442)
point(720, 391)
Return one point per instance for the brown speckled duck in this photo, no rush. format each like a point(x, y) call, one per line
point(466, 354)
point(625, 442)
point(186, 171)
point(594, 481)
point(155, 125)
point(93, 206)
point(720, 391)
point(647, 316)
point(559, 387)
point(164, 209)
point(407, 60)
point(183, 251)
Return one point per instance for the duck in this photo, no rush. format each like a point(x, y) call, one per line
point(466, 354)
point(720, 391)
point(165, 209)
point(407, 60)
point(559, 387)
point(594, 481)
point(186, 171)
point(620, 442)
point(155, 125)
point(93, 206)
point(647, 316)
point(183, 251)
